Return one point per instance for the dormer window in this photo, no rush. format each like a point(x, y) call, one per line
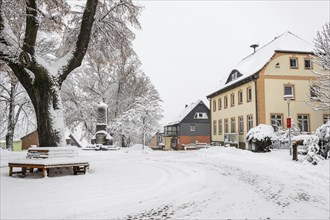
point(234, 76)
point(200, 115)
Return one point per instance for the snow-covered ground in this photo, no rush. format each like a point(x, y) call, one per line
point(214, 183)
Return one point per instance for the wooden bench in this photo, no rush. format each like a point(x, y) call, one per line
point(45, 158)
point(77, 167)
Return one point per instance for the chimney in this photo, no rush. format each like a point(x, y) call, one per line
point(254, 46)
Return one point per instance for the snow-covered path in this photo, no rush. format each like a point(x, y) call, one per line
point(217, 183)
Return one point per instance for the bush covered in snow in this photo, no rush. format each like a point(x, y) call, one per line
point(282, 134)
point(323, 133)
point(304, 142)
point(261, 137)
point(309, 145)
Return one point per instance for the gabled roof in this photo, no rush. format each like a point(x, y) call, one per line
point(28, 134)
point(286, 42)
point(184, 113)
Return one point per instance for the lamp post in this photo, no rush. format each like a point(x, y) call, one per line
point(288, 100)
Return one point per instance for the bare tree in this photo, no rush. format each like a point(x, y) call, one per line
point(42, 70)
point(15, 107)
point(321, 87)
point(134, 103)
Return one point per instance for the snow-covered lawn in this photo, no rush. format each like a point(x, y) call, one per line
point(214, 183)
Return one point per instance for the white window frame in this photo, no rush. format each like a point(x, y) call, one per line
point(192, 127)
point(292, 90)
point(233, 125)
point(310, 64)
point(214, 127)
point(301, 119)
point(249, 122)
point(220, 126)
point(240, 124)
point(296, 66)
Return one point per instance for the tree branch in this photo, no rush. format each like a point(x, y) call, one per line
point(82, 41)
point(32, 26)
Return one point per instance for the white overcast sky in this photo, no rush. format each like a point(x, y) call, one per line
point(188, 47)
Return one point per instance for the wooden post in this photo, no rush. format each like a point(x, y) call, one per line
point(44, 170)
point(23, 171)
point(10, 170)
point(295, 149)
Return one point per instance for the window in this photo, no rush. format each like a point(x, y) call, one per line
point(294, 63)
point(159, 137)
point(314, 90)
point(233, 125)
point(220, 126)
point(289, 90)
point(219, 104)
point(249, 122)
point(303, 122)
point(192, 127)
point(249, 94)
point(233, 76)
point(214, 105)
point(307, 64)
point(200, 115)
point(277, 65)
point(232, 99)
point(240, 124)
point(171, 130)
point(226, 125)
point(225, 100)
point(326, 118)
point(240, 97)
point(276, 120)
point(214, 127)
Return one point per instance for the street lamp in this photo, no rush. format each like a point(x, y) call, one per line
point(288, 98)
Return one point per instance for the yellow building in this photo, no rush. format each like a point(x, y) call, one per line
point(254, 91)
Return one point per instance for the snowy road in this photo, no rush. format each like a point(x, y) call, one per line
point(217, 183)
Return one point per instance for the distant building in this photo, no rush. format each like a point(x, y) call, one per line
point(157, 141)
point(191, 126)
point(30, 139)
point(254, 91)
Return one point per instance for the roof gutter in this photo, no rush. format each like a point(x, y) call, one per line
point(238, 83)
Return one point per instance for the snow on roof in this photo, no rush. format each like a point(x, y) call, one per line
point(102, 104)
point(286, 42)
point(184, 113)
point(108, 136)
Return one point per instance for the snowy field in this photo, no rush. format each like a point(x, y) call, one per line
point(214, 183)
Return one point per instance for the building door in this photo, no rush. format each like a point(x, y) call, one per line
point(173, 143)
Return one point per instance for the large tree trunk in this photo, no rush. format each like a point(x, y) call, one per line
point(48, 107)
point(46, 99)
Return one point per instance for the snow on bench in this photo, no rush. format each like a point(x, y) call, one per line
point(45, 158)
point(51, 152)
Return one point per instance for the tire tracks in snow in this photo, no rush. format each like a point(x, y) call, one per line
point(271, 190)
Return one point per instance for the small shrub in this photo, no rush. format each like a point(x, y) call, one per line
point(261, 137)
point(323, 133)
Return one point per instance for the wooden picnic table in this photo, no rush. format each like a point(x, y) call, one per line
point(45, 158)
